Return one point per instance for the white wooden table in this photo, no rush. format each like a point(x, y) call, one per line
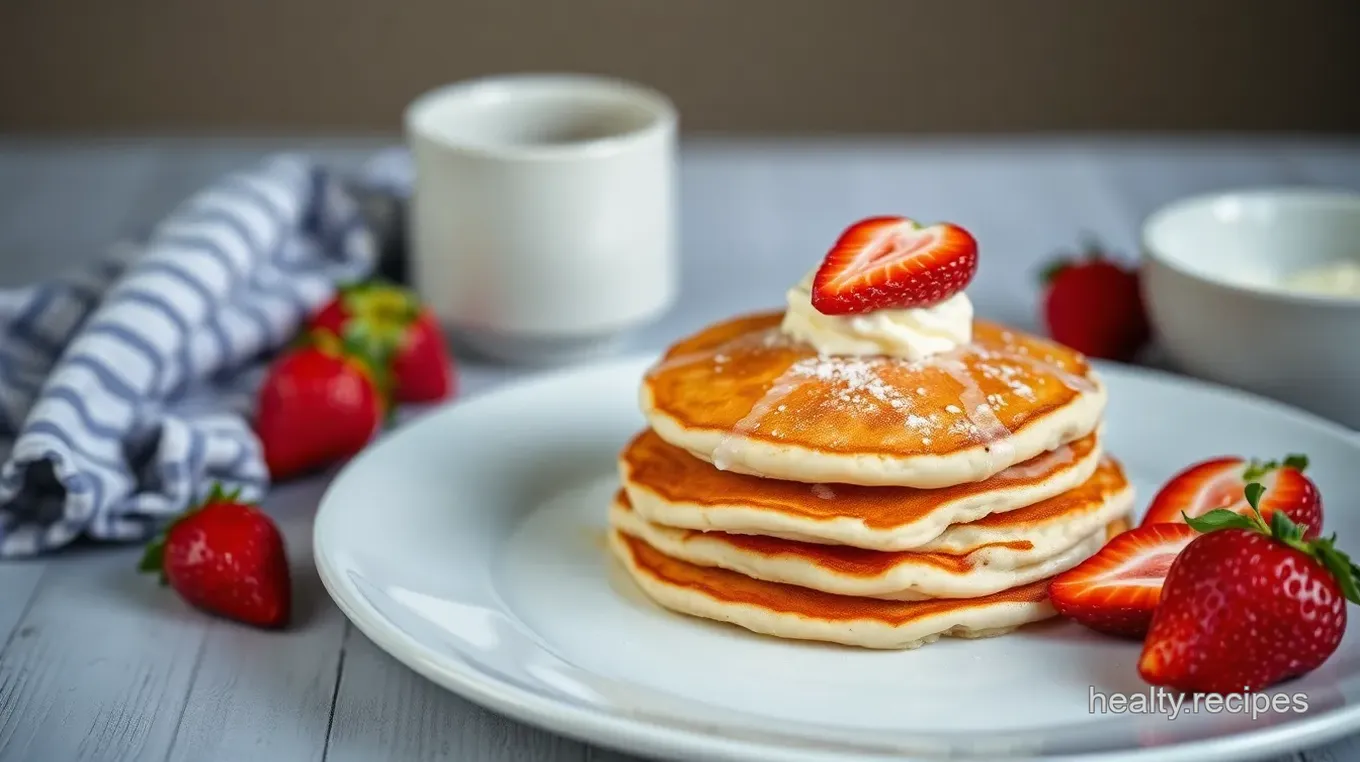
point(99, 663)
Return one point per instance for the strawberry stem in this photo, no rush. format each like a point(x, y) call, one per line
point(1340, 566)
point(1223, 518)
point(1258, 469)
point(1052, 270)
point(1283, 530)
point(375, 360)
point(1253, 493)
point(1324, 551)
point(153, 559)
point(1091, 248)
point(379, 317)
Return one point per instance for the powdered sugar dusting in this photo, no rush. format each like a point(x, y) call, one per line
point(824, 492)
point(998, 368)
point(853, 380)
point(857, 386)
point(920, 422)
point(849, 381)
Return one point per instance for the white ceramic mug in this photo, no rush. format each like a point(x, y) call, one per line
point(542, 220)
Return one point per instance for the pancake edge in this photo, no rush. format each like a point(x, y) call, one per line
point(903, 582)
point(854, 532)
point(757, 457)
point(969, 622)
point(1053, 536)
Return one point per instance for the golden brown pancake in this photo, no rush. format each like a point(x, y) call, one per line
point(670, 486)
point(792, 612)
point(742, 395)
point(852, 571)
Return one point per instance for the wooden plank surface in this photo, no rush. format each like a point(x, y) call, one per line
point(260, 695)
point(384, 711)
point(100, 664)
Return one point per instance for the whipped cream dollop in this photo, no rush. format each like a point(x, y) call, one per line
point(911, 334)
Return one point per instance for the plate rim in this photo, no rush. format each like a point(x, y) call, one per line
point(594, 726)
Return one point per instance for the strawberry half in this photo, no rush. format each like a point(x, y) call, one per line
point(1116, 590)
point(1248, 604)
point(884, 263)
point(1221, 483)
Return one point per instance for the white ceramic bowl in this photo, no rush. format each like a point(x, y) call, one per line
point(1215, 275)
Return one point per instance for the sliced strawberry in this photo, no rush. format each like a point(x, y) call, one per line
point(1221, 483)
point(1116, 590)
point(884, 263)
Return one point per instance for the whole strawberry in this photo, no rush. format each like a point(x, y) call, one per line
point(394, 327)
point(225, 557)
point(1095, 306)
point(319, 403)
point(1247, 605)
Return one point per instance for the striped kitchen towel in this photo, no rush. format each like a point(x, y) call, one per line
point(127, 388)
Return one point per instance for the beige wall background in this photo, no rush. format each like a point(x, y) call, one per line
point(787, 66)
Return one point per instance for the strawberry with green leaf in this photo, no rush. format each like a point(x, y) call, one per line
point(226, 557)
point(1248, 604)
point(395, 329)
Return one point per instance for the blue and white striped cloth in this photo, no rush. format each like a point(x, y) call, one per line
point(128, 388)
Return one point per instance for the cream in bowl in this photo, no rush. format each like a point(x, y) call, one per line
point(1340, 278)
point(1260, 289)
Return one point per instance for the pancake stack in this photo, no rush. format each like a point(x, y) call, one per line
point(867, 501)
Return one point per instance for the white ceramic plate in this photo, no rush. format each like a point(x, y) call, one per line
point(470, 546)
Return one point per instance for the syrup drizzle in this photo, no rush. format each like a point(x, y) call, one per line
point(1040, 466)
point(1072, 381)
point(996, 437)
point(769, 338)
point(791, 379)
